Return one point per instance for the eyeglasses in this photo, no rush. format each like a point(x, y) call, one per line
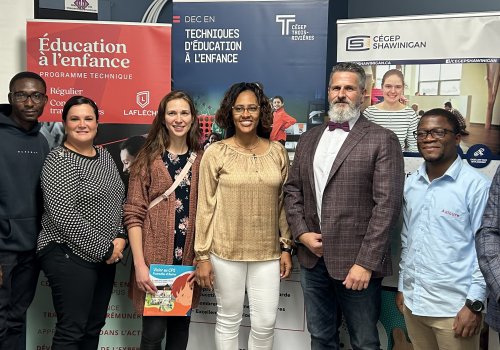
point(435, 133)
point(241, 109)
point(21, 96)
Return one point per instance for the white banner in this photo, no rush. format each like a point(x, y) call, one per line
point(457, 38)
point(91, 6)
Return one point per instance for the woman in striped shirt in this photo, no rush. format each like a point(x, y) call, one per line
point(392, 114)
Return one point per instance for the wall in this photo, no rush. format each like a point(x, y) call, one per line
point(13, 14)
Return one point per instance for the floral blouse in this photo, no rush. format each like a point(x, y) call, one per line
point(175, 164)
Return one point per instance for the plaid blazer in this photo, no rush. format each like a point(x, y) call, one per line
point(361, 201)
point(488, 251)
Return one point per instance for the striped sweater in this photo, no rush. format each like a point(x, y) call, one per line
point(403, 123)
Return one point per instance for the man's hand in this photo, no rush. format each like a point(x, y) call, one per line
point(400, 301)
point(358, 278)
point(285, 264)
point(313, 242)
point(467, 323)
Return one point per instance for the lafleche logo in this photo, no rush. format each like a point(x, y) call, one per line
point(285, 21)
point(357, 43)
point(142, 98)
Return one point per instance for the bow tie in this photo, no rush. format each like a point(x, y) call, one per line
point(344, 126)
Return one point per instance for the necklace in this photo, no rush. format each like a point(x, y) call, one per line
point(251, 148)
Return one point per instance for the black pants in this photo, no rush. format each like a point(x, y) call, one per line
point(155, 327)
point(80, 293)
point(18, 279)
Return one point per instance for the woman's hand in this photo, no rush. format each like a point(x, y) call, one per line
point(205, 274)
point(119, 244)
point(285, 264)
point(143, 281)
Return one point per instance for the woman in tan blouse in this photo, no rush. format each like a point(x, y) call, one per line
point(163, 234)
point(242, 237)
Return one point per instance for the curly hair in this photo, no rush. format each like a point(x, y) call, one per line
point(224, 115)
point(158, 138)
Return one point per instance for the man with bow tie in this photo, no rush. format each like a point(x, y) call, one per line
point(343, 196)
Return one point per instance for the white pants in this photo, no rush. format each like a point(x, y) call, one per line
point(262, 282)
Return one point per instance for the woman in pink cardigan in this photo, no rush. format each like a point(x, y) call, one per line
point(163, 234)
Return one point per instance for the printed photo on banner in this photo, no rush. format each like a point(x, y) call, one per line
point(281, 46)
point(397, 95)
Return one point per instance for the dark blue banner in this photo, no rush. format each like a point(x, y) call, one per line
point(281, 44)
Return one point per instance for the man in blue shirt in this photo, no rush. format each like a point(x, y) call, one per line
point(488, 251)
point(441, 289)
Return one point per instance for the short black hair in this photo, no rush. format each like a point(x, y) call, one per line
point(133, 144)
point(279, 98)
point(441, 112)
point(26, 75)
point(448, 104)
point(76, 101)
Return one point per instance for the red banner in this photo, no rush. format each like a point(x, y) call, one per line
point(123, 67)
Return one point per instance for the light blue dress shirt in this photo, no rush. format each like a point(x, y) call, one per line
point(439, 268)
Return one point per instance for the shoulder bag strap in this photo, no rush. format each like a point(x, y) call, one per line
point(176, 183)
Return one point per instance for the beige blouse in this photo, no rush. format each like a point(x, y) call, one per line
point(240, 213)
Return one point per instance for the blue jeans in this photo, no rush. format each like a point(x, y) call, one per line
point(326, 299)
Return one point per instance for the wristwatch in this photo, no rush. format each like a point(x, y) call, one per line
point(474, 306)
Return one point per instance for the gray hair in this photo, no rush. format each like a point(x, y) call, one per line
point(353, 68)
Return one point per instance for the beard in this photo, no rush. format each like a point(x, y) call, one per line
point(340, 113)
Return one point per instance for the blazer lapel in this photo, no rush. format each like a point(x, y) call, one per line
point(355, 135)
point(317, 133)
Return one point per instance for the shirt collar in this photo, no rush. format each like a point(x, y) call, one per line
point(452, 172)
point(353, 121)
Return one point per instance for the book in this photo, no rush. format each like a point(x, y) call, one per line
point(174, 296)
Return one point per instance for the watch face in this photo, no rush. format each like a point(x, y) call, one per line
point(477, 306)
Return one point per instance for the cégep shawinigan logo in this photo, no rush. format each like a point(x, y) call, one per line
point(357, 43)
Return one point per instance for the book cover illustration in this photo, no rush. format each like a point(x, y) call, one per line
point(174, 295)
